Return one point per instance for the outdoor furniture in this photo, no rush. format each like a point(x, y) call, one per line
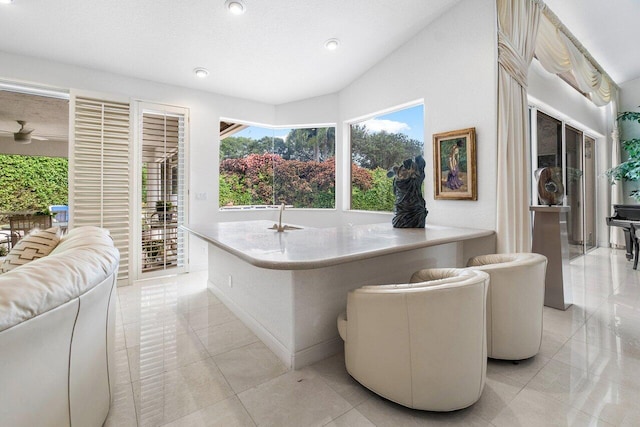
point(60, 216)
point(19, 225)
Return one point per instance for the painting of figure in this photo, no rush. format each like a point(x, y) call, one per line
point(454, 161)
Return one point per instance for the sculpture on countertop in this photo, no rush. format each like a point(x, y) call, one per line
point(410, 207)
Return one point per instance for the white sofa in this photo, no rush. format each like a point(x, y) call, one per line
point(421, 345)
point(57, 324)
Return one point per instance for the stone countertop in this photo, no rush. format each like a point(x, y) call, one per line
point(310, 248)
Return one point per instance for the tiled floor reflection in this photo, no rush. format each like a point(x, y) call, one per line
point(183, 359)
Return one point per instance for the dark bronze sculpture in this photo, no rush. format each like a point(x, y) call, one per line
point(410, 210)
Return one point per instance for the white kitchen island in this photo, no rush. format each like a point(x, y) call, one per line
point(289, 287)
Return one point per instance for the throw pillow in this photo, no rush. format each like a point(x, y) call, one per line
point(37, 244)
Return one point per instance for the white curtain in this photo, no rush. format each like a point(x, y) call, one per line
point(517, 29)
point(558, 55)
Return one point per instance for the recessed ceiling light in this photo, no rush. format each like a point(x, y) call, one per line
point(6, 1)
point(201, 72)
point(332, 44)
point(237, 7)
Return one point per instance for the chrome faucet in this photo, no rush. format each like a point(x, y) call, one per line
point(279, 226)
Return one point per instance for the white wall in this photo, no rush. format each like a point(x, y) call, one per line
point(452, 65)
point(630, 95)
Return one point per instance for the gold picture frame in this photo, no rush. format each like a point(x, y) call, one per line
point(454, 160)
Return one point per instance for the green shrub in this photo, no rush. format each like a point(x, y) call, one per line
point(32, 183)
point(377, 198)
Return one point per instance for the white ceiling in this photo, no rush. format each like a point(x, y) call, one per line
point(608, 30)
point(274, 53)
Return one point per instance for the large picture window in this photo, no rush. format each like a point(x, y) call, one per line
point(377, 144)
point(261, 166)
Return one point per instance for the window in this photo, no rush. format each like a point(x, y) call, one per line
point(377, 144)
point(261, 166)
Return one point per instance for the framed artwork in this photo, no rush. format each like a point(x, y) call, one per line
point(454, 160)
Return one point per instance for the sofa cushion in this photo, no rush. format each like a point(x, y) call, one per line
point(37, 244)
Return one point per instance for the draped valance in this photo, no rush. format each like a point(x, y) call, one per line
point(558, 54)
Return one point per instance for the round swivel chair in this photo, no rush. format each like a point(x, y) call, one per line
point(422, 345)
point(514, 303)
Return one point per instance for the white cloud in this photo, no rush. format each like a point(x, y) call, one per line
point(283, 137)
point(391, 126)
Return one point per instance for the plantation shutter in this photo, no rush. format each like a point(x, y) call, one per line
point(99, 173)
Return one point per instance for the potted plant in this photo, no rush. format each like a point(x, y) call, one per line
point(163, 208)
point(629, 170)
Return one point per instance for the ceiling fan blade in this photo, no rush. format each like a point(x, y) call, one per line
point(39, 138)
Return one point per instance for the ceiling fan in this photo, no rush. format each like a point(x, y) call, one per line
point(24, 135)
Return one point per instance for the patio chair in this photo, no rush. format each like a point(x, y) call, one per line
point(20, 225)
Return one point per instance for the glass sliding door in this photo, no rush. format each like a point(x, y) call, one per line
point(574, 175)
point(589, 192)
point(558, 145)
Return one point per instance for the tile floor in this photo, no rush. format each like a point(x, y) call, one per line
point(183, 359)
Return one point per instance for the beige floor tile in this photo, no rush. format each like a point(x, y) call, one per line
point(596, 396)
point(334, 373)
point(122, 412)
point(120, 342)
point(384, 413)
point(297, 398)
point(226, 337)
point(612, 331)
point(520, 372)
point(227, 413)
point(249, 366)
point(177, 393)
point(599, 361)
point(123, 373)
point(498, 392)
point(551, 343)
point(564, 323)
point(353, 418)
point(195, 300)
point(533, 409)
point(141, 333)
point(164, 354)
point(212, 315)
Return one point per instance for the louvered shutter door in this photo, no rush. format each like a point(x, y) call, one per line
point(163, 160)
point(99, 173)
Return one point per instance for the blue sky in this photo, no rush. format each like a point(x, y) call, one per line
point(409, 121)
